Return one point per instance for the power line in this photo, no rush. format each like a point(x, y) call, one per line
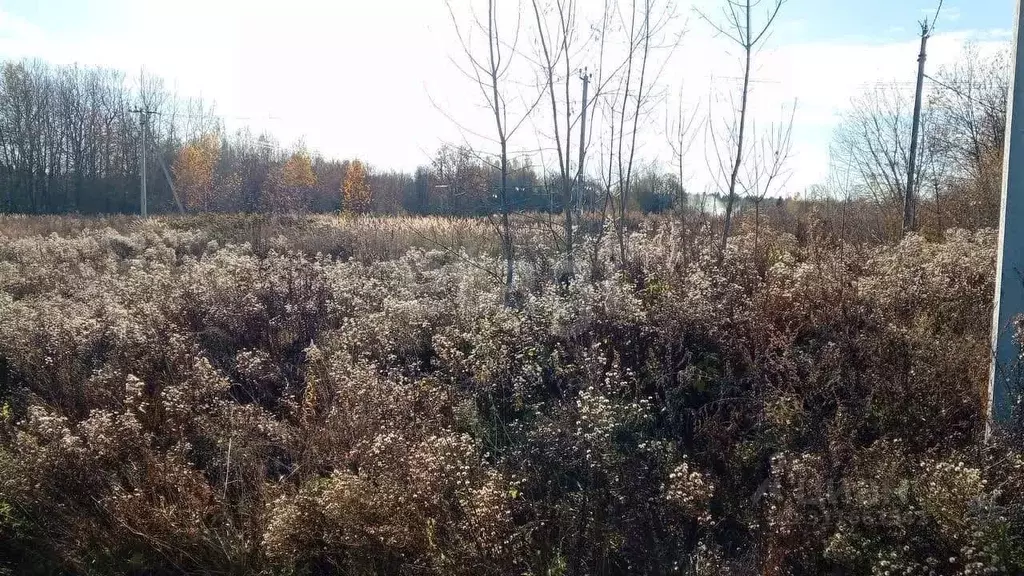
point(961, 94)
point(226, 117)
point(876, 83)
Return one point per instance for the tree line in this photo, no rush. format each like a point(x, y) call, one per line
point(71, 138)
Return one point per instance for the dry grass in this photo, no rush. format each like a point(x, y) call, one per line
point(319, 395)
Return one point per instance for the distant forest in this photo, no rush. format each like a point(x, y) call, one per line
point(70, 141)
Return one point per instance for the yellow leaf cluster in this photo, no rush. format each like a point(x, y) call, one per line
point(298, 172)
point(194, 171)
point(289, 184)
point(355, 190)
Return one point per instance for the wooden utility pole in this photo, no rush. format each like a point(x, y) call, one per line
point(1004, 374)
point(144, 114)
point(909, 200)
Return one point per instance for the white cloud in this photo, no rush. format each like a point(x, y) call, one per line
point(20, 38)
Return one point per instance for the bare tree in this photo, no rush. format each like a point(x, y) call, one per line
point(646, 32)
point(562, 50)
point(681, 131)
point(872, 140)
point(766, 169)
point(842, 187)
point(622, 110)
point(462, 180)
point(639, 40)
point(740, 28)
point(490, 72)
point(556, 61)
point(606, 101)
point(968, 119)
point(606, 170)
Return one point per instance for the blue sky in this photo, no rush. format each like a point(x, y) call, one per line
point(894, 20)
point(366, 78)
point(820, 19)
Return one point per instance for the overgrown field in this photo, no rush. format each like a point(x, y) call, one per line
point(232, 395)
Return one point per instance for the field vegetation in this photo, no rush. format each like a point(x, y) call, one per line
point(525, 357)
point(356, 395)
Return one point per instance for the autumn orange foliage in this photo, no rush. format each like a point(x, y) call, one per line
point(355, 191)
point(194, 170)
point(287, 184)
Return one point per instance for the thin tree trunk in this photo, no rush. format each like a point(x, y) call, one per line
point(636, 116)
point(506, 231)
point(729, 203)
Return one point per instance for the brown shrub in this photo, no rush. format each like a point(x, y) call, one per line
point(239, 394)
